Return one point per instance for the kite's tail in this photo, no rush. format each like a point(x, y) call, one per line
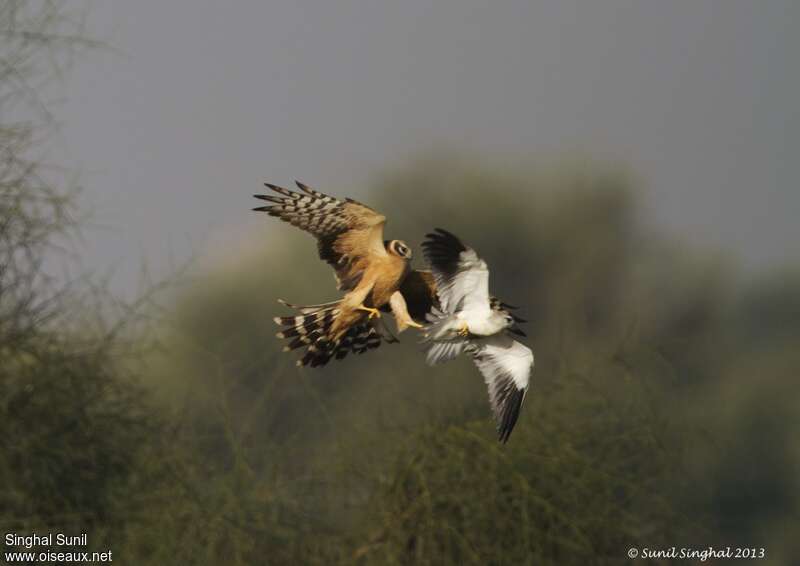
point(440, 334)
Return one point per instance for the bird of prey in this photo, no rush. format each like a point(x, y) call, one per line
point(467, 320)
point(369, 269)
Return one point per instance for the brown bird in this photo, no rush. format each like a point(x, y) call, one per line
point(368, 268)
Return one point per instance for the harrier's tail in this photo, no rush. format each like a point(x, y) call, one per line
point(311, 329)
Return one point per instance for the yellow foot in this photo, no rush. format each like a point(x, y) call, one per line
point(413, 324)
point(372, 312)
point(464, 330)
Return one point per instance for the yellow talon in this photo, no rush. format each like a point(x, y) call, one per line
point(372, 312)
point(464, 330)
point(414, 324)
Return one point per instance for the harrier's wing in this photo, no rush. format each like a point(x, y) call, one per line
point(346, 231)
point(506, 368)
point(461, 277)
point(419, 291)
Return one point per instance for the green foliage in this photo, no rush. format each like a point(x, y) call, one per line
point(589, 476)
point(70, 432)
point(72, 421)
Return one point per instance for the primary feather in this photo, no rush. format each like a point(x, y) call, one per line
point(347, 232)
point(462, 278)
point(506, 367)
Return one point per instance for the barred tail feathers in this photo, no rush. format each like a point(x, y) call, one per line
point(311, 330)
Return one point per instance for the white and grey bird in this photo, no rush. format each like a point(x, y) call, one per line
point(469, 320)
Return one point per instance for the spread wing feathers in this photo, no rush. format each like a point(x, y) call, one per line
point(506, 367)
point(311, 330)
point(346, 231)
point(461, 277)
point(439, 352)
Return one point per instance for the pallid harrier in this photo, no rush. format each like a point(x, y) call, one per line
point(350, 238)
point(468, 320)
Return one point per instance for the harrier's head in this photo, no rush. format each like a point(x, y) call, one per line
point(398, 248)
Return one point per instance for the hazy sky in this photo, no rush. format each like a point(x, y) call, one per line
point(210, 98)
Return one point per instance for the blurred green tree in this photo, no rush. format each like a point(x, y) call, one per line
point(70, 422)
